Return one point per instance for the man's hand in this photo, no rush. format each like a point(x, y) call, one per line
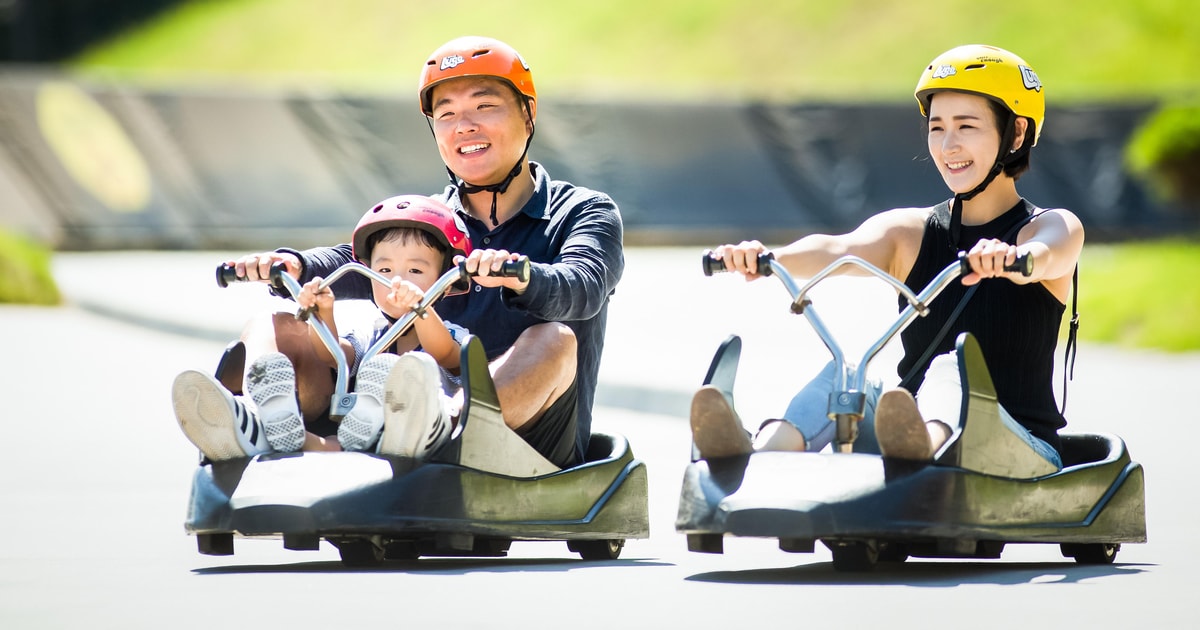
point(257, 267)
point(488, 261)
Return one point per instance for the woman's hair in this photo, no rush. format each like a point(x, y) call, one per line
point(405, 235)
point(1020, 164)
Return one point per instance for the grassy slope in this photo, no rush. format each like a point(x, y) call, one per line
point(674, 48)
point(1141, 294)
point(25, 276)
point(682, 49)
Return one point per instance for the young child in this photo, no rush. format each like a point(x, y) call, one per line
point(411, 239)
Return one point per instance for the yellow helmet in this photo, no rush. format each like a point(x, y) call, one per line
point(987, 71)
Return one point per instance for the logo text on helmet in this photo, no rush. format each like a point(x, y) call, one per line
point(1030, 79)
point(451, 61)
point(944, 71)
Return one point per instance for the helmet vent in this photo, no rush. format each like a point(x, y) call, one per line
point(377, 208)
point(402, 205)
point(975, 66)
point(480, 53)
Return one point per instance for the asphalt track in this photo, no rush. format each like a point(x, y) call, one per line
point(95, 478)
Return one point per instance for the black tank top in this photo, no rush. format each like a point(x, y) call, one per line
point(1016, 325)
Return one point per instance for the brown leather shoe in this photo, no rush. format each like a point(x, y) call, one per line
point(716, 429)
point(900, 429)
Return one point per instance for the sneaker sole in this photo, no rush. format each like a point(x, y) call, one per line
point(357, 432)
point(204, 415)
point(716, 431)
point(408, 395)
point(899, 428)
point(270, 377)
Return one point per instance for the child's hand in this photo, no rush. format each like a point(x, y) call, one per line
point(404, 295)
point(312, 295)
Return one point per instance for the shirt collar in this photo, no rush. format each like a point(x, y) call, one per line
point(538, 206)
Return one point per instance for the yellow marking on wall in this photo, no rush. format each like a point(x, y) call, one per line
point(93, 147)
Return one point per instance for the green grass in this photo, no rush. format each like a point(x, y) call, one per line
point(25, 276)
point(1142, 295)
point(674, 49)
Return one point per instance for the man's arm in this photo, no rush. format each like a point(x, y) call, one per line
point(576, 285)
point(322, 261)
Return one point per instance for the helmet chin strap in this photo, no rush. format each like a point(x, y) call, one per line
point(1002, 159)
point(495, 189)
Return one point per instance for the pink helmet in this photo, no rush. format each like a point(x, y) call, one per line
point(415, 211)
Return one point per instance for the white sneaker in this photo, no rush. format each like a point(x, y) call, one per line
point(271, 382)
point(359, 430)
point(415, 418)
point(214, 420)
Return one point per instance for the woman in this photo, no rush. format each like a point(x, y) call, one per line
point(985, 109)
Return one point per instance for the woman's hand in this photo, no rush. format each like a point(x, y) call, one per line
point(742, 258)
point(988, 258)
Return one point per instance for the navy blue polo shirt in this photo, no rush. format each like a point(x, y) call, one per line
point(573, 238)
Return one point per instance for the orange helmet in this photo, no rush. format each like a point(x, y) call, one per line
point(414, 211)
point(475, 57)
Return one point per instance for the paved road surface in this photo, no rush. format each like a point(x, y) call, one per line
point(95, 479)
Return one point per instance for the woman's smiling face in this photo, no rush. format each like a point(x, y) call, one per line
point(964, 138)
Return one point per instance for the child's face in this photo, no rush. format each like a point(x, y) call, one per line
point(409, 259)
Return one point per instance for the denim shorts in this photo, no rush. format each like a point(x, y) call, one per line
point(940, 397)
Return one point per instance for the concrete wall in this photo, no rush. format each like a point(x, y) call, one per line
point(88, 166)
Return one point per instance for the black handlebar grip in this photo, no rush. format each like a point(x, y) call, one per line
point(1022, 265)
point(227, 274)
point(278, 270)
point(717, 265)
point(518, 269)
point(711, 265)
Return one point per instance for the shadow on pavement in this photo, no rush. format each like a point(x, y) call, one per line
point(450, 566)
point(926, 574)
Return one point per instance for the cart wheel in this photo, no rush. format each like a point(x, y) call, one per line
point(401, 550)
point(215, 544)
point(707, 543)
point(360, 553)
point(597, 549)
point(892, 552)
point(854, 555)
point(1098, 553)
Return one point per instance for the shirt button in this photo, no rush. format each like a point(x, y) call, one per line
point(487, 239)
point(478, 288)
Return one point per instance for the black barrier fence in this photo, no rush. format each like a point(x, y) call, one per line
point(52, 30)
point(106, 166)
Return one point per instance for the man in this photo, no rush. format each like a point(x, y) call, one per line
point(544, 336)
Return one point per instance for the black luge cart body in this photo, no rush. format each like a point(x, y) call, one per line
point(482, 490)
point(984, 489)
